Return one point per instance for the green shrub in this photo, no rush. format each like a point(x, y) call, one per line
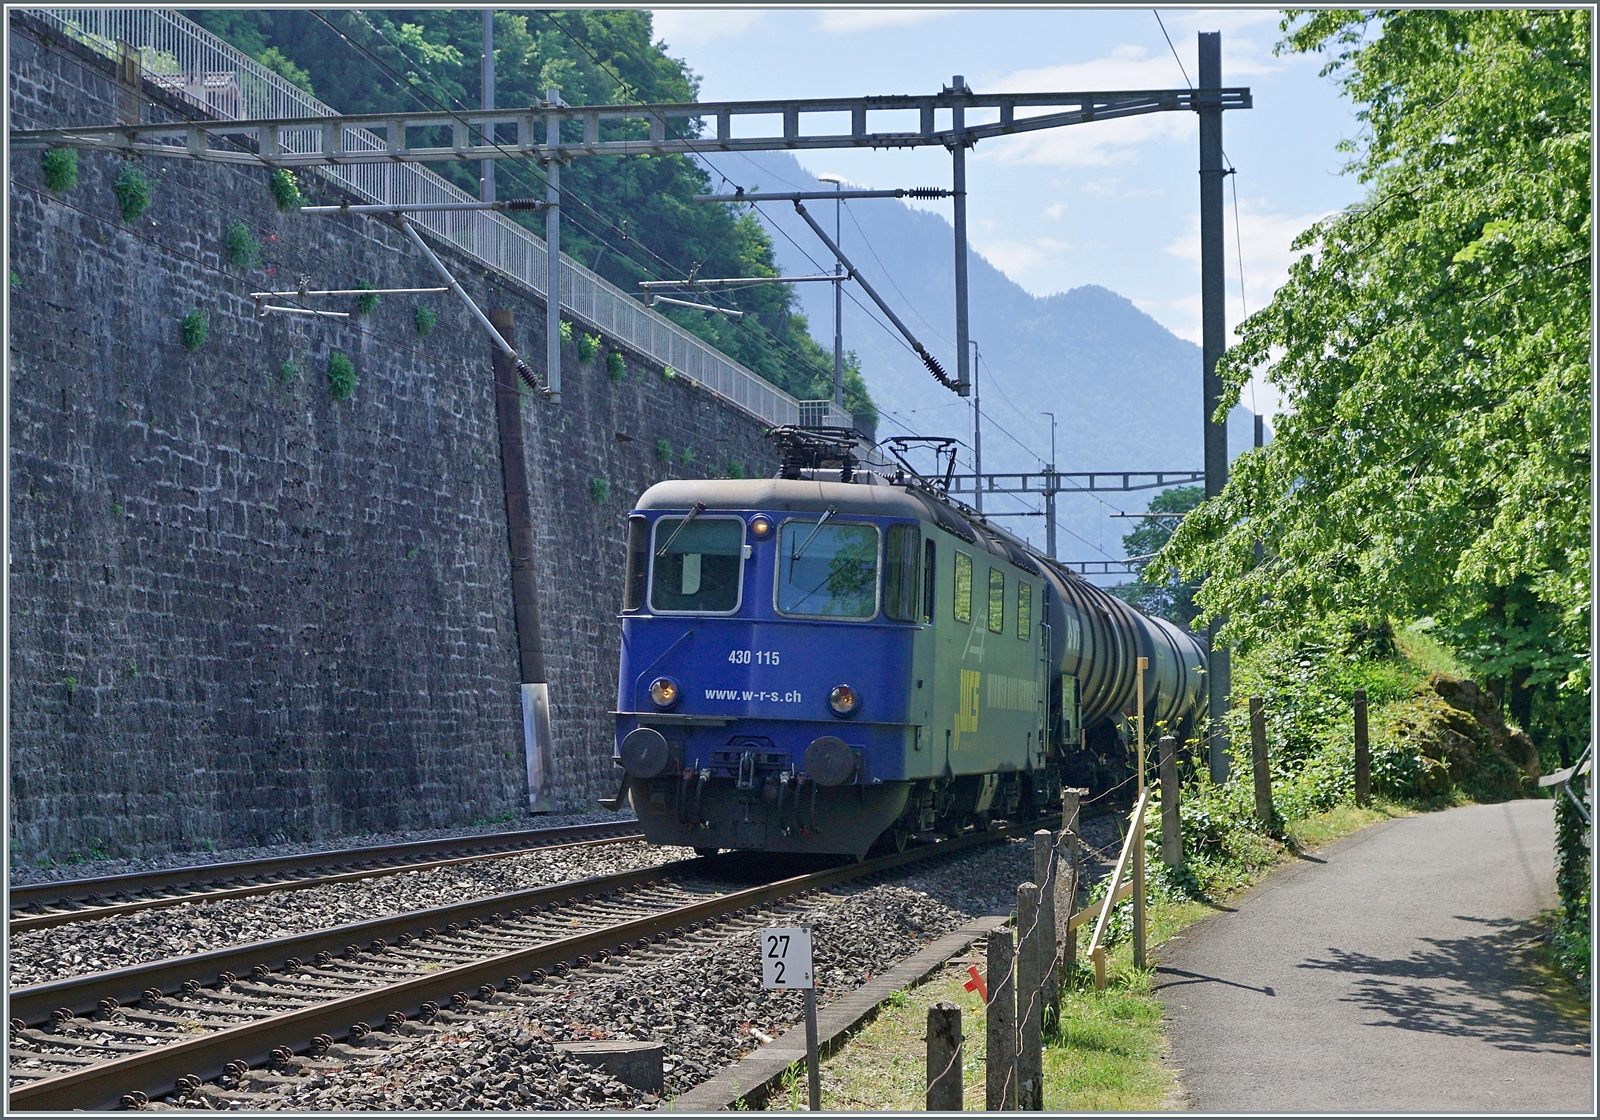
point(60, 167)
point(133, 192)
point(366, 305)
point(426, 318)
point(599, 490)
point(616, 366)
point(196, 329)
point(243, 248)
point(288, 371)
point(285, 189)
point(688, 457)
point(342, 379)
point(663, 451)
point(735, 469)
point(668, 373)
point(566, 333)
point(588, 347)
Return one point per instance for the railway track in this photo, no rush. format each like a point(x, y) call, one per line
point(128, 1036)
point(41, 905)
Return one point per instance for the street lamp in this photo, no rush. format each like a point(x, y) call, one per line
point(838, 298)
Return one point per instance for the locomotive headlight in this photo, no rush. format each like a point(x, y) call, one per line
point(760, 526)
point(664, 692)
point(844, 700)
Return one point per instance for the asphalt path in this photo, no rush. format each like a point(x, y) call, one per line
point(1374, 976)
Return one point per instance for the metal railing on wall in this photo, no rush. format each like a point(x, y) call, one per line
point(190, 62)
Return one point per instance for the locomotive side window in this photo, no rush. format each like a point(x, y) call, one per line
point(900, 559)
point(638, 563)
point(963, 596)
point(827, 569)
point(927, 581)
point(997, 601)
point(1024, 609)
point(698, 565)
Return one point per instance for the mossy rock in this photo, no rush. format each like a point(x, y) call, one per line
point(1458, 729)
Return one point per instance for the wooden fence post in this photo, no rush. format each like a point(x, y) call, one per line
point(1030, 1000)
point(1044, 873)
point(1258, 751)
point(1363, 754)
point(1000, 1061)
point(1067, 892)
point(944, 1057)
point(1171, 828)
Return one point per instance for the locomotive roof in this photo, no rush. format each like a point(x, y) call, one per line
point(880, 499)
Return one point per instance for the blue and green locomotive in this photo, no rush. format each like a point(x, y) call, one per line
point(839, 658)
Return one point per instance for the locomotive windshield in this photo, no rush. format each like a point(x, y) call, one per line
point(828, 570)
point(697, 566)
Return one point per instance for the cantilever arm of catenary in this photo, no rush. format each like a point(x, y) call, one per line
point(521, 366)
point(922, 352)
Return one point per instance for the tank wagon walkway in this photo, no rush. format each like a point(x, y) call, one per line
point(1375, 976)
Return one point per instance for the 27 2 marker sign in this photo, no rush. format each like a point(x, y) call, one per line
point(786, 957)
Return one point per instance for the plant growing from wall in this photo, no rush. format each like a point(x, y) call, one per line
point(599, 490)
point(60, 167)
point(285, 189)
point(566, 333)
point(366, 305)
point(196, 329)
point(16, 280)
point(668, 373)
point(688, 456)
point(663, 451)
point(133, 192)
point(342, 379)
point(288, 371)
point(616, 366)
point(735, 469)
point(244, 251)
point(588, 346)
point(425, 318)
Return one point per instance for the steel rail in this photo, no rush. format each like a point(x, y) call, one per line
point(391, 855)
point(156, 1072)
point(36, 1003)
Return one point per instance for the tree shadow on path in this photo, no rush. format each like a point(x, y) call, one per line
point(1469, 987)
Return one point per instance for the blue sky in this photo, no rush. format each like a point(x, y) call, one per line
point(1112, 203)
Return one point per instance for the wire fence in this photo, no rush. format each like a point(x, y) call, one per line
point(189, 62)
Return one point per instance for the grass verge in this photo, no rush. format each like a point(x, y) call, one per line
point(1108, 1052)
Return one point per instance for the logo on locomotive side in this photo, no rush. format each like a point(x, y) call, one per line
point(967, 713)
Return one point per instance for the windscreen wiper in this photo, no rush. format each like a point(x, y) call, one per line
point(694, 511)
point(805, 544)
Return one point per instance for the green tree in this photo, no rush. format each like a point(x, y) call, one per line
point(1432, 345)
point(629, 219)
point(1170, 597)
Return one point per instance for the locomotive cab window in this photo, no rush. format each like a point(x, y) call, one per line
point(900, 570)
point(827, 569)
point(997, 600)
point(638, 563)
point(927, 581)
point(1024, 609)
point(697, 565)
point(963, 594)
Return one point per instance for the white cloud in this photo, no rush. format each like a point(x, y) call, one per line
point(1263, 238)
point(1030, 263)
point(1100, 144)
point(1055, 210)
point(854, 21)
point(684, 27)
point(1106, 143)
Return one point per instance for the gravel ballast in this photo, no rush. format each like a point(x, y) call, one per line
point(23, 874)
point(700, 996)
point(99, 945)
